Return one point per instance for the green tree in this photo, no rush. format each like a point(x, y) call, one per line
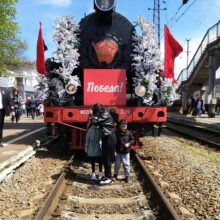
point(11, 46)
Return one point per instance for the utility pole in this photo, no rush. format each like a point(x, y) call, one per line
point(187, 57)
point(156, 18)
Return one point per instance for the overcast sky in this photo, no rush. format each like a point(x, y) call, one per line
point(191, 21)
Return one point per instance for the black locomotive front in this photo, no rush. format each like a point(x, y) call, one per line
point(105, 43)
point(106, 26)
point(105, 46)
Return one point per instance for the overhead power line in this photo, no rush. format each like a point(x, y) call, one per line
point(186, 10)
point(174, 16)
point(208, 11)
point(204, 14)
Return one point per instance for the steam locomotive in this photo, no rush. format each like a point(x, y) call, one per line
point(106, 74)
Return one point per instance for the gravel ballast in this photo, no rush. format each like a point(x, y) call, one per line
point(189, 172)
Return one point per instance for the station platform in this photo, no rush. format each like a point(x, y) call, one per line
point(19, 140)
point(203, 120)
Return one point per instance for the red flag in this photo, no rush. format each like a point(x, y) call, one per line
point(172, 50)
point(40, 62)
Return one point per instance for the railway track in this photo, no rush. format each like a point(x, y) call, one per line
point(203, 135)
point(75, 196)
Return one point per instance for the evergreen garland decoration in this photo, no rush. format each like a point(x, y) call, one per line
point(147, 63)
point(168, 91)
point(146, 59)
point(42, 88)
point(67, 41)
point(52, 88)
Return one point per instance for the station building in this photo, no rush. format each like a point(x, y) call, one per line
point(24, 78)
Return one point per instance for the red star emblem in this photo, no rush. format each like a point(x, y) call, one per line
point(106, 50)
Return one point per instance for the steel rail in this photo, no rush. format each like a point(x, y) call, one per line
point(48, 206)
point(167, 209)
point(47, 142)
point(204, 137)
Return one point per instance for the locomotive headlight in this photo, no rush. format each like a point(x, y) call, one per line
point(140, 91)
point(71, 89)
point(105, 5)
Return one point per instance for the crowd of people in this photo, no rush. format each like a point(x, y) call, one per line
point(31, 107)
point(196, 106)
point(12, 104)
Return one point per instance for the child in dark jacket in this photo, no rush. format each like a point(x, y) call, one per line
point(93, 149)
point(125, 139)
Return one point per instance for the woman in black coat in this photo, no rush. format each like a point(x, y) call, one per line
point(102, 118)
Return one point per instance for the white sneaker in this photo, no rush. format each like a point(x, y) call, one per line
point(2, 144)
point(105, 182)
point(101, 174)
point(93, 177)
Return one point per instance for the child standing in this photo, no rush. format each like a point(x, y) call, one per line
point(125, 139)
point(93, 149)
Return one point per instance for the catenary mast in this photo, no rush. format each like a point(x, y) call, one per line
point(156, 18)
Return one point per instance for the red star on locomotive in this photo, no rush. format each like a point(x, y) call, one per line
point(106, 51)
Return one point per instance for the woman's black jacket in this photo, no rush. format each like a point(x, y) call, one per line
point(105, 123)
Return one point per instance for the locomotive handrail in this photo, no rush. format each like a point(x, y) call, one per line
point(212, 34)
point(72, 126)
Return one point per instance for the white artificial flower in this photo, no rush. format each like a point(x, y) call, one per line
point(66, 38)
point(168, 89)
point(67, 41)
point(146, 61)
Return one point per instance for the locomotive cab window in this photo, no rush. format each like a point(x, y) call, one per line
point(105, 5)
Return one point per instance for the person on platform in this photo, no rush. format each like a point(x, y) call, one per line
point(16, 107)
point(192, 105)
point(101, 117)
point(32, 105)
point(199, 106)
point(218, 106)
point(189, 104)
point(125, 139)
point(93, 149)
point(27, 106)
point(5, 110)
point(41, 109)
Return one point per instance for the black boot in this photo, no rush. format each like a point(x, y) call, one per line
point(127, 179)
